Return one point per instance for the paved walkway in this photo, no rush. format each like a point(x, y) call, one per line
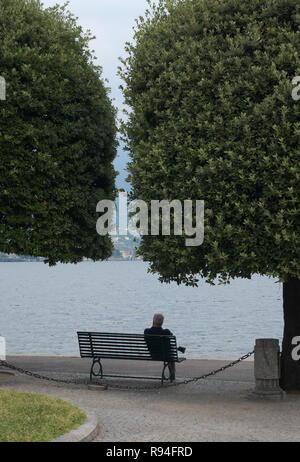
point(216, 409)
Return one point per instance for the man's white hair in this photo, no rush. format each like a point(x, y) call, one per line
point(158, 319)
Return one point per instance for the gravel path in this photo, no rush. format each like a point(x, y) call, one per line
point(216, 409)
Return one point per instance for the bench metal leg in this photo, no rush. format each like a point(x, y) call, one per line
point(171, 373)
point(163, 378)
point(98, 373)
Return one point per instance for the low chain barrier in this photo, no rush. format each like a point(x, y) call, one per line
point(126, 387)
point(35, 375)
point(209, 374)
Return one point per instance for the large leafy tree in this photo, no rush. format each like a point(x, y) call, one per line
point(57, 136)
point(209, 86)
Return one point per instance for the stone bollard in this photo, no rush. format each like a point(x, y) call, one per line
point(3, 371)
point(2, 349)
point(267, 369)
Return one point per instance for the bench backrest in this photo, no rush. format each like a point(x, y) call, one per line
point(128, 346)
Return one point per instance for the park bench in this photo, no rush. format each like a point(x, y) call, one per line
point(138, 347)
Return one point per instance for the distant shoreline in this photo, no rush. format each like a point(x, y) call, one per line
point(21, 261)
point(84, 261)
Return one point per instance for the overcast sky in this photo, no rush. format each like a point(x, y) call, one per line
point(111, 21)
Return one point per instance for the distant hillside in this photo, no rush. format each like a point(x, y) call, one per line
point(17, 258)
point(125, 249)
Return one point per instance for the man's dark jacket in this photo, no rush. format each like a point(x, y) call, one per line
point(157, 331)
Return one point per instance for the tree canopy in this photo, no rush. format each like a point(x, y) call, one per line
point(209, 86)
point(57, 136)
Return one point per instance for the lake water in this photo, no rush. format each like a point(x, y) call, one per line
point(42, 308)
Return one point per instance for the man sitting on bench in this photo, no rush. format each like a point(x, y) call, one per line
point(157, 329)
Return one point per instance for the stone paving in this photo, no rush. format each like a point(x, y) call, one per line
point(221, 408)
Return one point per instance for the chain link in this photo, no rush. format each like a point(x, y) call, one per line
point(125, 387)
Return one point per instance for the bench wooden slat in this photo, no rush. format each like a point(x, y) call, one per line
point(98, 352)
point(128, 349)
point(133, 357)
point(138, 344)
point(121, 340)
point(122, 345)
point(110, 335)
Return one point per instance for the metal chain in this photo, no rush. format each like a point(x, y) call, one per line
point(36, 376)
point(209, 374)
point(126, 387)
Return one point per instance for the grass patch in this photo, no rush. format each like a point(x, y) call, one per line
point(28, 417)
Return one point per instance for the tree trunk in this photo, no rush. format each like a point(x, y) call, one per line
point(290, 358)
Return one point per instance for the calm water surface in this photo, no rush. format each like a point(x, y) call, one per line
point(42, 308)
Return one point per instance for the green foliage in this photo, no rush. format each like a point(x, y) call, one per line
point(57, 136)
point(212, 118)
